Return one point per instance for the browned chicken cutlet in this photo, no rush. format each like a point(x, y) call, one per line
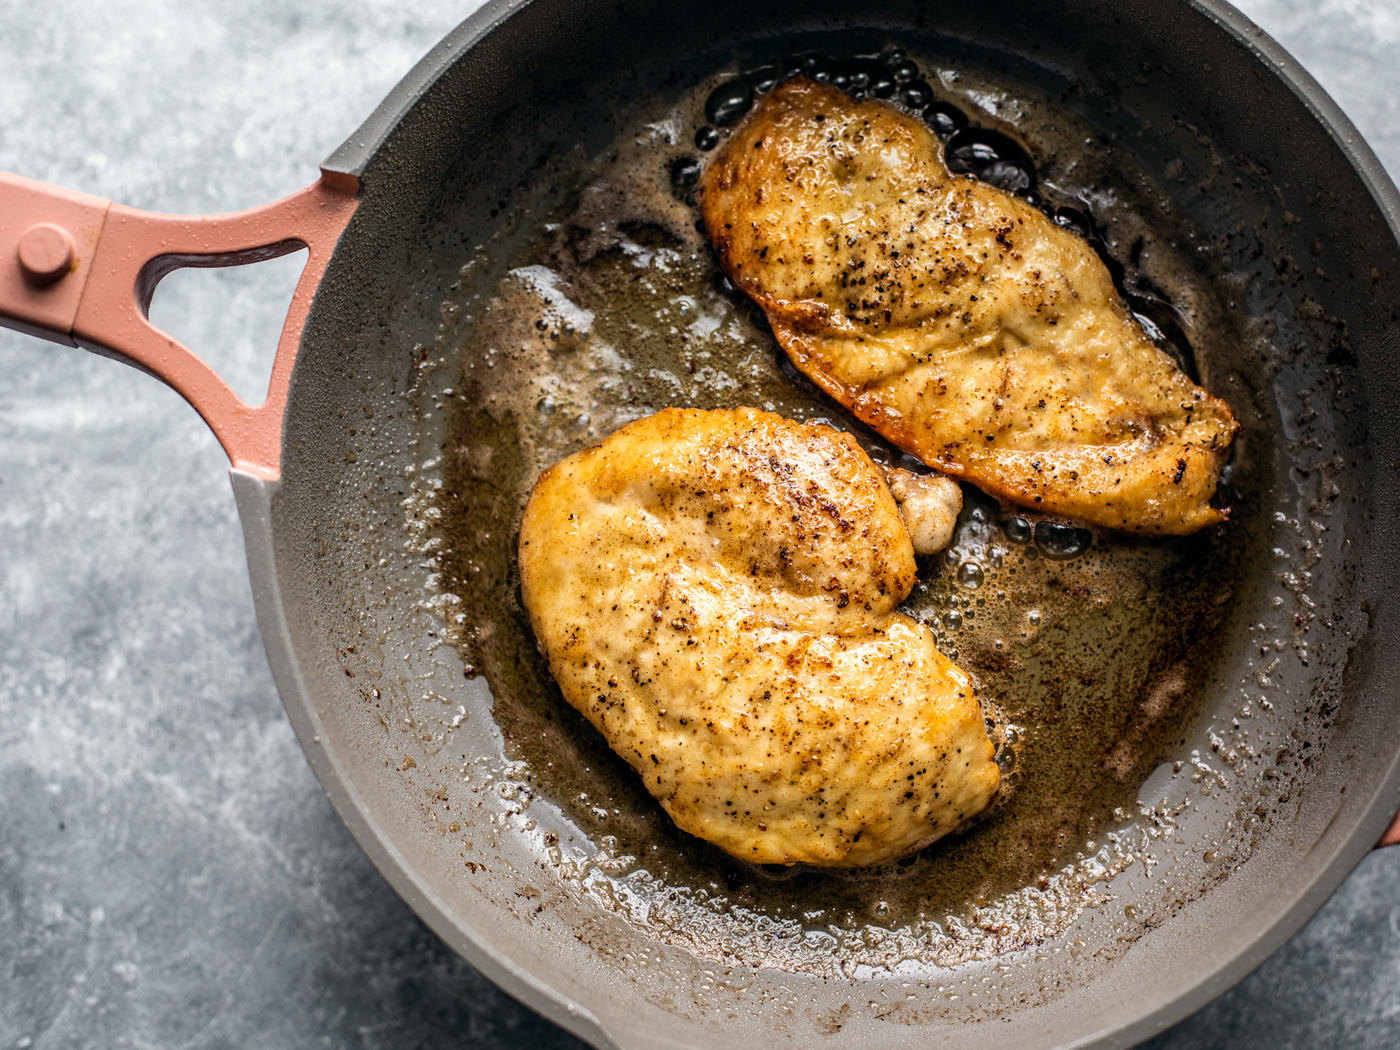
point(716, 592)
point(957, 320)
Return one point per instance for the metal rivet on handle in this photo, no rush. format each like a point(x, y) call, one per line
point(46, 252)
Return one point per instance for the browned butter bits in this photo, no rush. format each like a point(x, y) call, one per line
point(716, 592)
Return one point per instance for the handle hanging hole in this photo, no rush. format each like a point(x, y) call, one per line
point(231, 316)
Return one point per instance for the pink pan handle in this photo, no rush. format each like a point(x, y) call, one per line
point(1392, 834)
point(81, 271)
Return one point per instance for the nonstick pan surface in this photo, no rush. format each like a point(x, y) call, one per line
point(326, 496)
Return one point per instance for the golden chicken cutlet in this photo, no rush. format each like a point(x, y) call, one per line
point(716, 592)
point(957, 320)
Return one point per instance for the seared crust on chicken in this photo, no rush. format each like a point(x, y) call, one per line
point(716, 592)
point(955, 319)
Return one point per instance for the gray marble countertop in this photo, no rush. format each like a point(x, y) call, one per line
point(170, 873)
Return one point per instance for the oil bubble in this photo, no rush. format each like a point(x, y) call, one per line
point(1074, 220)
point(970, 575)
point(1061, 542)
point(903, 71)
point(1018, 530)
point(992, 157)
point(882, 909)
point(765, 77)
point(707, 138)
point(728, 102)
point(953, 620)
point(946, 120)
point(916, 94)
point(685, 172)
point(545, 406)
point(1033, 617)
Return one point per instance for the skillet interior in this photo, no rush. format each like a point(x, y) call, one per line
point(1255, 169)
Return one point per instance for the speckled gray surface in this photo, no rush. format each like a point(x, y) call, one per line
point(170, 873)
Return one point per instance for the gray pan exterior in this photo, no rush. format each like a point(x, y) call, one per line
point(459, 132)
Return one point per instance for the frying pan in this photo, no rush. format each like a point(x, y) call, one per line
point(384, 232)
